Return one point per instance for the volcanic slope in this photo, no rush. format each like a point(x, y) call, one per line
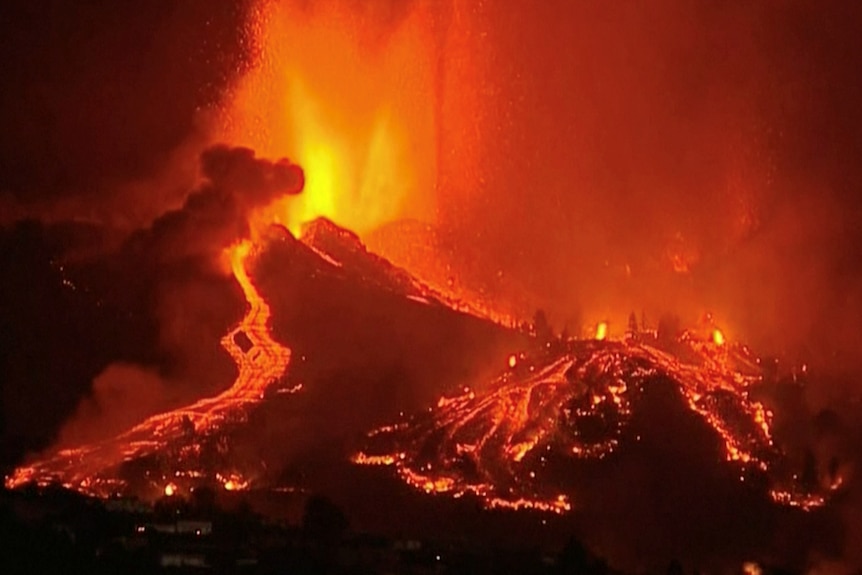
point(519, 440)
point(362, 338)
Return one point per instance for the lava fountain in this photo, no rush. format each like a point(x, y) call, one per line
point(260, 362)
point(348, 93)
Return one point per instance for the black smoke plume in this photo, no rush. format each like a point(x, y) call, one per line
point(217, 213)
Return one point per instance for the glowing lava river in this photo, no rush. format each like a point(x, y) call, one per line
point(179, 436)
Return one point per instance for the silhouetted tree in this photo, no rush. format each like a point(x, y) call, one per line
point(577, 559)
point(633, 323)
point(542, 327)
point(808, 479)
point(668, 328)
point(769, 369)
point(187, 426)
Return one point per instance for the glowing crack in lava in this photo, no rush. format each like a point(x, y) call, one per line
point(515, 443)
point(260, 361)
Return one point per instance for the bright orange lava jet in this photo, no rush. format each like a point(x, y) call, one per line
point(348, 98)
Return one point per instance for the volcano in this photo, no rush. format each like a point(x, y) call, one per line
point(330, 324)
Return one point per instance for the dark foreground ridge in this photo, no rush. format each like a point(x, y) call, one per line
point(54, 530)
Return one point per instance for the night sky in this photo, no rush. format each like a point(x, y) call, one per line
point(95, 94)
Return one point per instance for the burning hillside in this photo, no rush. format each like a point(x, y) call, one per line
point(515, 441)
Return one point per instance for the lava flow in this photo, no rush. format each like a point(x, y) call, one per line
point(260, 361)
point(513, 443)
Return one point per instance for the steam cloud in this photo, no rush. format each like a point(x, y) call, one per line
point(121, 396)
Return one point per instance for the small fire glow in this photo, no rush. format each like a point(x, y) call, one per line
point(170, 489)
point(717, 337)
point(232, 482)
point(602, 331)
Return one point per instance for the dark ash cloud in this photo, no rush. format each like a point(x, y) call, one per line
point(217, 213)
